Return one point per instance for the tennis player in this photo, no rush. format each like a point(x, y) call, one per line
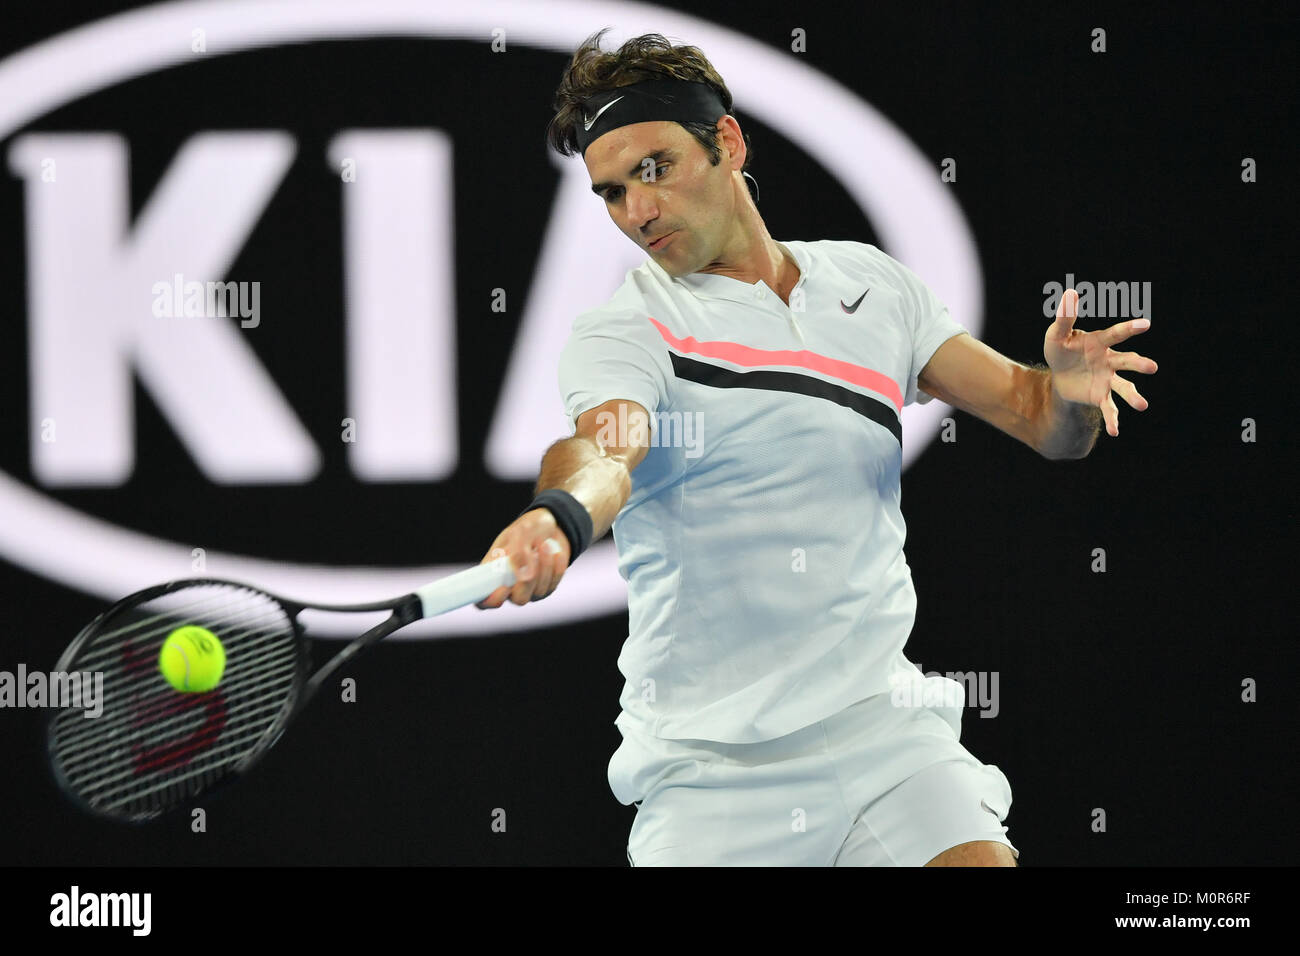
point(737, 413)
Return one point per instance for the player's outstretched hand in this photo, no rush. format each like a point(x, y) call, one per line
point(1086, 369)
point(539, 553)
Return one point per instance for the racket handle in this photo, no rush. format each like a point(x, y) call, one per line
point(465, 587)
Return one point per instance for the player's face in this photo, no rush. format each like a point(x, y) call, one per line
point(656, 181)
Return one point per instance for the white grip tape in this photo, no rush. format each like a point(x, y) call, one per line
point(465, 587)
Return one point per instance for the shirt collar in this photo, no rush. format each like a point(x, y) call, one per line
point(725, 287)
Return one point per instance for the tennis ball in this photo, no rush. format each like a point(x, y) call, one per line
point(192, 659)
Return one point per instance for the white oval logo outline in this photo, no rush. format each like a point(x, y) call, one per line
point(916, 217)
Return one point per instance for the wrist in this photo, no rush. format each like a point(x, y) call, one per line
point(1069, 428)
point(570, 515)
point(1057, 395)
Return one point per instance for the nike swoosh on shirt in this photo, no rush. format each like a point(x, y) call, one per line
point(587, 123)
point(854, 308)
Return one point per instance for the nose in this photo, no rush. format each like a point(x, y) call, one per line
point(642, 207)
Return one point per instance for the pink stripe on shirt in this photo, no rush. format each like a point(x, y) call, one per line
point(749, 357)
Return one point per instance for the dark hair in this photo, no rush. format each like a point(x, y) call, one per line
point(647, 57)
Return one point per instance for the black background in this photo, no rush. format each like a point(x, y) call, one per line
point(1118, 690)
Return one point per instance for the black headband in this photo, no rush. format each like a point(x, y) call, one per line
point(679, 101)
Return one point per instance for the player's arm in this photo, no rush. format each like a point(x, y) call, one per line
point(595, 466)
point(1014, 398)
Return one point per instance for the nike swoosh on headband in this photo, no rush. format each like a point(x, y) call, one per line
point(587, 123)
point(850, 311)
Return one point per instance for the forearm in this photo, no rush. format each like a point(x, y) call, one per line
point(599, 478)
point(1064, 429)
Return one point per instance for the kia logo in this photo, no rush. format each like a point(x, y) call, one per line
point(78, 239)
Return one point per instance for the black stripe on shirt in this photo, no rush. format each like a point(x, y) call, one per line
point(693, 370)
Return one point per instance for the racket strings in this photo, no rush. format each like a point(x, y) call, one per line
point(137, 636)
point(256, 658)
point(153, 747)
point(171, 718)
point(113, 792)
point(80, 749)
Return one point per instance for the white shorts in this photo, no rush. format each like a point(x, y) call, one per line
point(874, 785)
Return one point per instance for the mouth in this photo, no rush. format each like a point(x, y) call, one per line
point(661, 241)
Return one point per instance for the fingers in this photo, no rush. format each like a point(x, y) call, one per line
point(1067, 311)
point(555, 556)
point(524, 560)
point(1128, 391)
point(1111, 414)
point(1122, 330)
point(552, 563)
point(1132, 362)
point(539, 554)
point(542, 585)
point(524, 556)
point(552, 559)
point(497, 597)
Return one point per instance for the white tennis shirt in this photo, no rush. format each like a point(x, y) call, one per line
point(762, 542)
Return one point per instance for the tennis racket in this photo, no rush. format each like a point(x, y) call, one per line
point(154, 749)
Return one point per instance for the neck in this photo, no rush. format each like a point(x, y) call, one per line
point(751, 253)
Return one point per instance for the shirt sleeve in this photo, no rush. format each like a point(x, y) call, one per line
point(613, 355)
point(930, 326)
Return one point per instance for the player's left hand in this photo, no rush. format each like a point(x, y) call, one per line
point(1084, 366)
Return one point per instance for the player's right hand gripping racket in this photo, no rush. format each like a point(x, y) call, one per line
point(154, 749)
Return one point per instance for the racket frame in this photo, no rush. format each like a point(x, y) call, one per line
point(405, 610)
point(435, 598)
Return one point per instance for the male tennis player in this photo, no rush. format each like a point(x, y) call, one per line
point(769, 597)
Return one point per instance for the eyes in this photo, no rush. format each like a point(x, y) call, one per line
point(616, 192)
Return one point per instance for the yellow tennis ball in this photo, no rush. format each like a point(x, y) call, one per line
point(192, 659)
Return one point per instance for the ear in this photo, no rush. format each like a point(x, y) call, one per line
point(732, 140)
